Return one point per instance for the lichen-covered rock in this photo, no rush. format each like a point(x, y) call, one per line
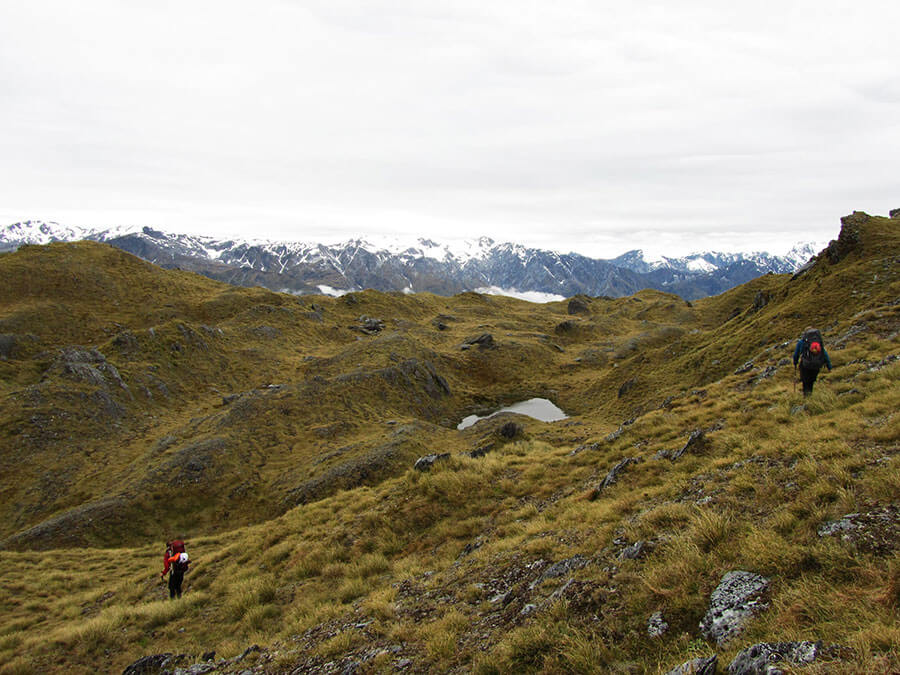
point(737, 597)
point(702, 666)
point(657, 625)
point(762, 659)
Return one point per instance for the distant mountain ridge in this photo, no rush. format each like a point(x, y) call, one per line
point(425, 266)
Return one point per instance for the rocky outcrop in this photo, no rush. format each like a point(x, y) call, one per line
point(702, 666)
point(849, 239)
point(483, 341)
point(578, 305)
point(765, 658)
point(737, 597)
point(368, 325)
point(86, 365)
point(696, 442)
point(613, 475)
point(425, 463)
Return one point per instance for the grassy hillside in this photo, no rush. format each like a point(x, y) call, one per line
point(278, 433)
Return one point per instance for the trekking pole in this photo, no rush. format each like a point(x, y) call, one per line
point(795, 379)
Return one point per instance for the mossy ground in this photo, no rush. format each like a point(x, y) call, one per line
point(445, 568)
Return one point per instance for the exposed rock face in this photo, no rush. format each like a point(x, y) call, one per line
point(849, 239)
point(735, 600)
point(761, 659)
point(425, 463)
point(894, 214)
point(701, 666)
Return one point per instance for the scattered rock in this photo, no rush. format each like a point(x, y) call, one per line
point(760, 300)
point(613, 435)
point(633, 552)
point(627, 386)
point(8, 346)
point(368, 325)
point(746, 368)
point(613, 475)
point(760, 659)
point(578, 305)
point(562, 568)
point(877, 531)
point(484, 341)
point(737, 597)
point(86, 365)
point(267, 332)
point(696, 443)
point(566, 327)
point(480, 451)
point(656, 625)
point(425, 463)
point(582, 448)
point(156, 664)
point(702, 666)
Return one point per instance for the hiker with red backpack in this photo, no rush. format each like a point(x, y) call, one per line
point(809, 357)
point(175, 563)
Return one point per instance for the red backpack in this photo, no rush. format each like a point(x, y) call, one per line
point(174, 548)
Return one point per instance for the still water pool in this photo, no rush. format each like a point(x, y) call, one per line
point(538, 408)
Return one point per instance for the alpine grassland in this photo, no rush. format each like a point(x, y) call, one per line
point(279, 436)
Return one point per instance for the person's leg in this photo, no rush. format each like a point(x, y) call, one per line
point(808, 378)
point(172, 585)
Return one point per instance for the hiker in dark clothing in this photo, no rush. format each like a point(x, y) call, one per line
point(809, 357)
point(175, 563)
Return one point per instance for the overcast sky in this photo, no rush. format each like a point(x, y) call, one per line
point(588, 126)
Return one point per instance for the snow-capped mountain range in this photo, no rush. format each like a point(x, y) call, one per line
point(425, 265)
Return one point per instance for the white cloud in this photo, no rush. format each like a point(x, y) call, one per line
point(574, 125)
point(530, 296)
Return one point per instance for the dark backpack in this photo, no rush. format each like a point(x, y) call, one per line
point(809, 359)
